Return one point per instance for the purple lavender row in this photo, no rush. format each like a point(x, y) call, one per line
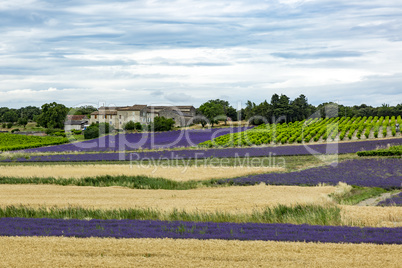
point(395, 200)
point(384, 173)
point(332, 148)
point(198, 230)
point(159, 140)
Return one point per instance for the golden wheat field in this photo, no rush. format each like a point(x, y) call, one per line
point(235, 199)
point(228, 199)
point(103, 252)
point(176, 173)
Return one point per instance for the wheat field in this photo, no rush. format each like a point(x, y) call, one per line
point(105, 252)
point(177, 173)
point(235, 200)
point(227, 199)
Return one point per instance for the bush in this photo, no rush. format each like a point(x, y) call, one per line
point(15, 130)
point(130, 125)
point(3, 125)
point(91, 132)
point(9, 125)
point(138, 126)
point(76, 131)
point(161, 124)
point(105, 128)
point(391, 151)
point(59, 134)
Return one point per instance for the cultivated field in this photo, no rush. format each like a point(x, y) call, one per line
point(225, 199)
point(175, 173)
point(55, 210)
point(101, 252)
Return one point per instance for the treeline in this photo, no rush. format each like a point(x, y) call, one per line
point(278, 109)
point(283, 109)
point(50, 115)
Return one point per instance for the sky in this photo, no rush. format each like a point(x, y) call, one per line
point(94, 52)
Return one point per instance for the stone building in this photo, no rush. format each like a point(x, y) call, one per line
point(118, 116)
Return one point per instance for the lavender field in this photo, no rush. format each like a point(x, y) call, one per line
point(198, 230)
point(384, 173)
point(146, 140)
point(395, 200)
point(331, 148)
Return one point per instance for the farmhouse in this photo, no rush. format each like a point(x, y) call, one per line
point(77, 122)
point(118, 116)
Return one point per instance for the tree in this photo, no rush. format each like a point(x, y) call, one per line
point(23, 122)
point(130, 125)
point(84, 110)
point(91, 132)
point(10, 116)
point(212, 110)
point(199, 118)
point(53, 115)
point(232, 113)
point(162, 124)
point(29, 112)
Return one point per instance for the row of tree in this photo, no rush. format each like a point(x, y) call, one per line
point(278, 109)
point(50, 115)
point(283, 109)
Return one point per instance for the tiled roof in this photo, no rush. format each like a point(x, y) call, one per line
point(105, 112)
point(136, 107)
point(75, 117)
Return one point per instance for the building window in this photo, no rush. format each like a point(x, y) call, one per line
point(119, 116)
point(96, 117)
point(111, 116)
point(110, 122)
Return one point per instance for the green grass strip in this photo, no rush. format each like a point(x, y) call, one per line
point(298, 214)
point(358, 194)
point(133, 182)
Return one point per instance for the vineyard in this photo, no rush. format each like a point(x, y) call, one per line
point(10, 142)
point(317, 129)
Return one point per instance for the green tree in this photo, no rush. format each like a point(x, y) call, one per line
point(10, 116)
point(53, 115)
point(162, 124)
point(212, 110)
point(91, 132)
point(23, 122)
point(130, 125)
point(84, 110)
point(29, 112)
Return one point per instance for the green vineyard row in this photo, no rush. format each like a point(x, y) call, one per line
point(9, 142)
point(336, 128)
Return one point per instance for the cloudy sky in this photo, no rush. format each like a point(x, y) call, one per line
point(79, 52)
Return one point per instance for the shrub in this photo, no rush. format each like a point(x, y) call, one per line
point(91, 132)
point(130, 125)
point(15, 130)
point(76, 131)
point(138, 126)
point(3, 125)
point(9, 125)
point(391, 151)
point(161, 124)
point(105, 128)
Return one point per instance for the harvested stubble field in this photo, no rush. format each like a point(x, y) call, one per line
point(101, 252)
point(176, 173)
point(226, 199)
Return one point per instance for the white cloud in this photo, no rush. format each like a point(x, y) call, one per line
point(142, 51)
